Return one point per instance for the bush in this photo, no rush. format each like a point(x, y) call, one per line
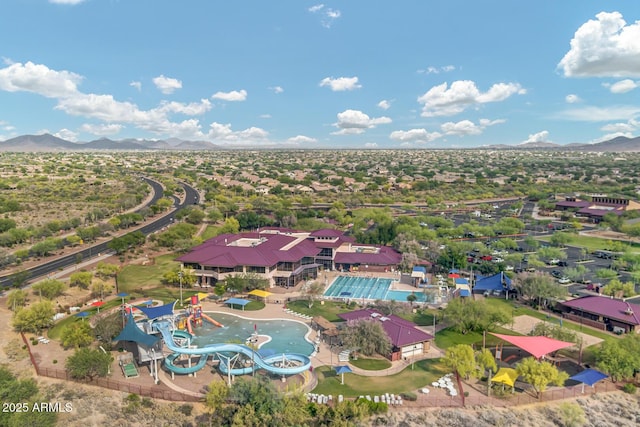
point(629, 388)
point(412, 397)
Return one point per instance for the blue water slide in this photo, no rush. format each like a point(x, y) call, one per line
point(169, 363)
point(267, 363)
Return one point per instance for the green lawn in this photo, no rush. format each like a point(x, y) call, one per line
point(136, 277)
point(590, 242)
point(423, 374)
point(329, 310)
point(371, 364)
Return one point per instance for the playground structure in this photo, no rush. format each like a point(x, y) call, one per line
point(195, 316)
point(231, 359)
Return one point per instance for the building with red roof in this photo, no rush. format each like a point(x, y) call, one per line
point(407, 340)
point(284, 257)
point(603, 312)
point(597, 207)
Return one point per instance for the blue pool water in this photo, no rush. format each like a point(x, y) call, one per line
point(371, 288)
point(287, 336)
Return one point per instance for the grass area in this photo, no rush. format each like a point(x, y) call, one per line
point(423, 374)
point(420, 317)
point(371, 364)
point(137, 277)
point(592, 243)
point(210, 231)
point(329, 310)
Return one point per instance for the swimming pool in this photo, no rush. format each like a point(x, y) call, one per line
point(287, 336)
point(371, 288)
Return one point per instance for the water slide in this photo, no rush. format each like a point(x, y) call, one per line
point(266, 363)
point(205, 317)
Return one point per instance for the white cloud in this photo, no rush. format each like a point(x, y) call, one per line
point(605, 47)
point(415, 135)
point(167, 85)
point(277, 89)
point(101, 130)
point(371, 145)
point(223, 133)
point(191, 109)
point(542, 136)
point(467, 127)
point(598, 114)
point(384, 104)
point(67, 134)
point(437, 70)
point(67, 2)
point(233, 96)
point(622, 128)
point(301, 139)
point(39, 79)
point(341, 83)
point(444, 100)
point(572, 99)
point(265, 116)
point(327, 15)
point(356, 122)
point(624, 86)
point(137, 85)
point(316, 8)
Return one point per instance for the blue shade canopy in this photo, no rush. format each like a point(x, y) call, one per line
point(131, 332)
point(237, 301)
point(82, 314)
point(589, 376)
point(123, 294)
point(155, 312)
point(342, 369)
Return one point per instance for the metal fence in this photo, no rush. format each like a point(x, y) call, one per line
point(157, 392)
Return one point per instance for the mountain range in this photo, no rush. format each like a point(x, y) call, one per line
point(50, 143)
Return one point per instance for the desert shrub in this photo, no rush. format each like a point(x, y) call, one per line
point(629, 388)
point(186, 409)
point(410, 396)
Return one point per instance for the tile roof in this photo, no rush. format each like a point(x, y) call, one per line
point(386, 256)
point(401, 332)
point(608, 307)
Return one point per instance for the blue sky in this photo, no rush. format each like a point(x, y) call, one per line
point(295, 73)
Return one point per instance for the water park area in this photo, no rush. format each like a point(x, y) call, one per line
point(370, 288)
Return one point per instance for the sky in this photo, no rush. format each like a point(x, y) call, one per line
point(332, 74)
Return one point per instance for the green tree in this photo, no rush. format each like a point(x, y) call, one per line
point(540, 374)
point(312, 290)
point(49, 288)
point(485, 361)
point(606, 274)
point(16, 299)
point(619, 358)
point(461, 359)
point(77, 334)
point(538, 288)
point(231, 225)
point(100, 288)
point(88, 363)
point(572, 414)
point(106, 328)
point(470, 315)
point(81, 279)
point(106, 270)
point(35, 318)
point(560, 239)
point(616, 288)
point(216, 397)
point(367, 336)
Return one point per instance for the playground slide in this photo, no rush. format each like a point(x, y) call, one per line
point(260, 362)
point(210, 320)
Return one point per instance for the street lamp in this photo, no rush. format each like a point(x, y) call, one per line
point(180, 279)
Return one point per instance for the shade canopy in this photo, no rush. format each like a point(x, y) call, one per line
point(132, 332)
point(260, 293)
point(123, 294)
point(82, 314)
point(237, 301)
point(589, 376)
point(536, 346)
point(97, 303)
point(506, 376)
point(343, 369)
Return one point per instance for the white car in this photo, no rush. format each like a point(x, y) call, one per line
point(564, 280)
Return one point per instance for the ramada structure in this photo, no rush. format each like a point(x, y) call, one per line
point(285, 257)
point(407, 340)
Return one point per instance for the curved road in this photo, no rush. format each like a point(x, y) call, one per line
point(191, 197)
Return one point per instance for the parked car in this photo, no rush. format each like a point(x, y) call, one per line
point(563, 264)
point(553, 261)
point(556, 273)
point(564, 280)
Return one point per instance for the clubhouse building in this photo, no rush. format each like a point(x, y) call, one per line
point(597, 207)
point(285, 257)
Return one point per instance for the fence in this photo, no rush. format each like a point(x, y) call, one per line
point(157, 392)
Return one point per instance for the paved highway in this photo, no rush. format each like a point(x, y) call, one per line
point(191, 197)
